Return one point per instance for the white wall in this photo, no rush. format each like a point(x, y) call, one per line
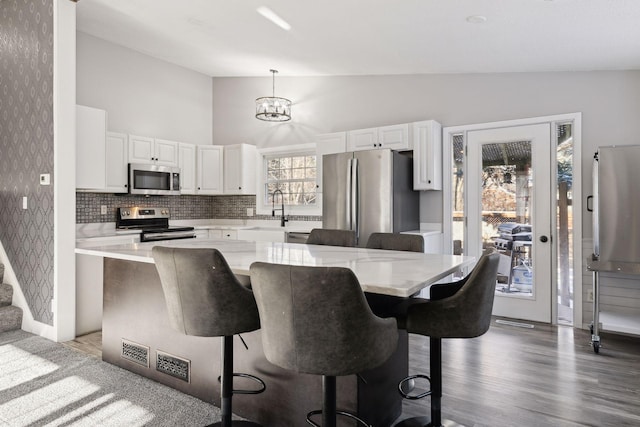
point(609, 102)
point(143, 95)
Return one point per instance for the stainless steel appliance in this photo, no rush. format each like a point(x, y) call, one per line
point(153, 223)
point(153, 179)
point(369, 191)
point(616, 219)
point(296, 237)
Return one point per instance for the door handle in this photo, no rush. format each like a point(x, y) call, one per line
point(348, 195)
point(544, 239)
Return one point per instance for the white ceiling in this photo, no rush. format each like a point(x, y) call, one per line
point(373, 37)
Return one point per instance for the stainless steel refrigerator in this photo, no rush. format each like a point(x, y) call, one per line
point(616, 216)
point(369, 191)
point(616, 220)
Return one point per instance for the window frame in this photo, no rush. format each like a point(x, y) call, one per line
point(261, 176)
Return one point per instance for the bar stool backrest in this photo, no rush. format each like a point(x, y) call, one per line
point(316, 320)
point(324, 236)
point(396, 242)
point(463, 313)
point(204, 298)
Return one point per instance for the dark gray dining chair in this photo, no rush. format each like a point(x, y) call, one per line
point(396, 242)
point(328, 237)
point(315, 320)
point(205, 299)
point(454, 310)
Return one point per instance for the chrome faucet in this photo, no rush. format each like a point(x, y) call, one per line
point(281, 208)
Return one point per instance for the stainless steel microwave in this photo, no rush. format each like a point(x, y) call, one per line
point(153, 179)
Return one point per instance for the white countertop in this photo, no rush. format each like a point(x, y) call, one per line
point(108, 229)
point(379, 271)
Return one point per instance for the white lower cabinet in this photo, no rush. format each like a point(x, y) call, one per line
point(201, 234)
point(230, 234)
point(223, 234)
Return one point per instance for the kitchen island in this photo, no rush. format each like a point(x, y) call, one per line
point(137, 336)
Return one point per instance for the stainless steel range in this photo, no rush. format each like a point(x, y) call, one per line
point(154, 223)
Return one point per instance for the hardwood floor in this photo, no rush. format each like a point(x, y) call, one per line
point(545, 376)
point(90, 344)
point(512, 376)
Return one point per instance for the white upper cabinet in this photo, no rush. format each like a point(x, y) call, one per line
point(240, 169)
point(101, 156)
point(394, 137)
point(328, 143)
point(116, 163)
point(166, 152)
point(362, 139)
point(209, 169)
point(427, 155)
point(91, 129)
point(147, 150)
point(187, 165)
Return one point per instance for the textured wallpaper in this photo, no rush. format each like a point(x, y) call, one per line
point(26, 147)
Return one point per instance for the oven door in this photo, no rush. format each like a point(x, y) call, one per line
point(153, 179)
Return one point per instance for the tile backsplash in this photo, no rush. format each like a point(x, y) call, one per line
point(181, 207)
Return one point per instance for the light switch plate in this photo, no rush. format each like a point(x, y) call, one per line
point(249, 211)
point(45, 179)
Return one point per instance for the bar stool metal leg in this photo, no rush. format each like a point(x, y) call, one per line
point(226, 388)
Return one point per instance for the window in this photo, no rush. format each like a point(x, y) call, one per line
point(292, 170)
point(294, 175)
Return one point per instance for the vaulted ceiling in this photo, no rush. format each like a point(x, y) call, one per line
point(373, 37)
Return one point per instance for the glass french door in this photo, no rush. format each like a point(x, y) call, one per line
point(508, 206)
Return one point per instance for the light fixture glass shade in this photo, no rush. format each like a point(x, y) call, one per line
point(273, 108)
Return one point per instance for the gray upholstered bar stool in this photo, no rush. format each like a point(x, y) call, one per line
point(315, 320)
point(205, 299)
point(325, 236)
point(454, 310)
point(396, 242)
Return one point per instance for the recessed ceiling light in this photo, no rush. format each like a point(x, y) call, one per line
point(271, 16)
point(477, 19)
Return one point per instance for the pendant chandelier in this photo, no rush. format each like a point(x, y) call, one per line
point(273, 108)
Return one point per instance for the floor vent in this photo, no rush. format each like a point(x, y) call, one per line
point(135, 353)
point(173, 365)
